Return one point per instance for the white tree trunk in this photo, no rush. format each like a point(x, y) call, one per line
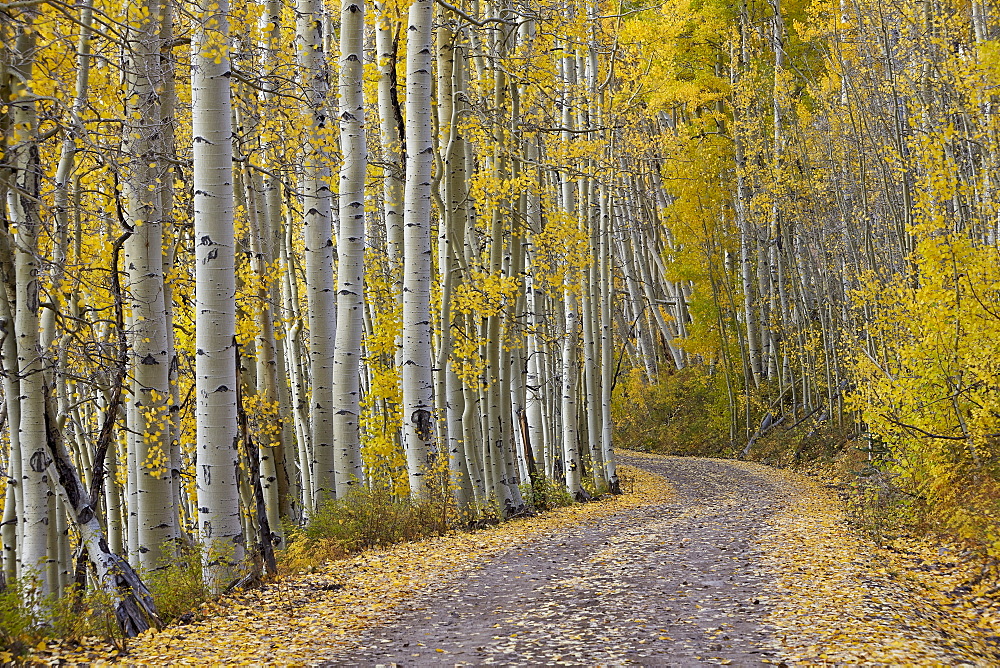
point(451, 238)
point(149, 358)
point(319, 240)
point(351, 264)
point(13, 503)
point(390, 131)
point(573, 468)
point(132, 603)
point(22, 212)
point(219, 523)
point(418, 381)
point(607, 340)
point(270, 444)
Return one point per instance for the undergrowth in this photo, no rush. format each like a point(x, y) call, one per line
point(368, 518)
point(178, 588)
point(29, 620)
point(683, 413)
point(363, 519)
point(544, 494)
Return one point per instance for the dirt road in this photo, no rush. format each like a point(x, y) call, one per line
point(678, 582)
point(732, 563)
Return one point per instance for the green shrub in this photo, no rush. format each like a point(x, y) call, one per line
point(178, 587)
point(19, 622)
point(545, 494)
point(364, 518)
point(28, 619)
point(686, 412)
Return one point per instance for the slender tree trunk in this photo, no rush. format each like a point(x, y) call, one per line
point(133, 605)
point(219, 523)
point(350, 271)
point(319, 253)
point(451, 239)
point(149, 354)
point(23, 214)
point(418, 380)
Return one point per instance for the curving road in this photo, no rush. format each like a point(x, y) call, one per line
point(676, 583)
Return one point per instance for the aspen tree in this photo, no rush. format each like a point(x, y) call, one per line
point(264, 222)
point(296, 367)
point(13, 500)
point(391, 132)
point(24, 218)
point(418, 382)
point(571, 461)
point(350, 268)
point(150, 358)
point(271, 442)
point(536, 404)
point(319, 241)
point(742, 206)
point(131, 601)
point(776, 258)
point(219, 523)
point(461, 396)
point(451, 233)
point(500, 440)
point(167, 175)
point(606, 342)
point(13, 513)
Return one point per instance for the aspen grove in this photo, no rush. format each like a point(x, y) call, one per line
point(258, 254)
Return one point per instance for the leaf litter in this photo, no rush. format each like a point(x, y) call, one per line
point(842, 599)
point(701, 561)
point(302, 619)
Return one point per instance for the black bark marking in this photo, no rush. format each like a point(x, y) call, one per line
point(38, 461)
point(421, 420)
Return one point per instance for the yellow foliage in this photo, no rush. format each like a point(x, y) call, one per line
point(927, 387)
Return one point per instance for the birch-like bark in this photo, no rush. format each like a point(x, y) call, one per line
point(295, 364)
point(23, 214)
point(149, 358)
point(607, 339)
point(13, 500)
point(319, 241)
point(168, 150)
point(572, 466)
point(418, 380)
point(130, 599)
point(264, 217)
point(591, 360)
point(778, 300)
point(391, 133)
point(747, 239)
point(451, 239)
point(351, 262)
point(271, 451)
point(219, 523)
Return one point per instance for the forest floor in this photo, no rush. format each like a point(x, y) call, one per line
point(702, 561)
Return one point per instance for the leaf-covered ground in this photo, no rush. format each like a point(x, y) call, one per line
point(701, 562)
point(842, 600)
point(313, 616)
